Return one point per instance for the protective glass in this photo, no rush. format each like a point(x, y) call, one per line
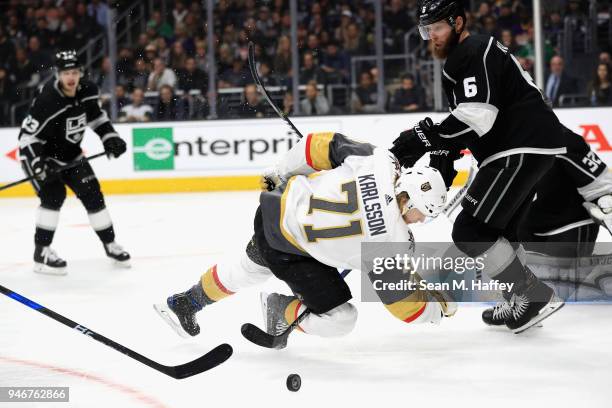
point(437, 29)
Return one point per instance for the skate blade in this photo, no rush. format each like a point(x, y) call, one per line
point(47, 270)
point(122, 264)
point(551, 307)
point(167, 315)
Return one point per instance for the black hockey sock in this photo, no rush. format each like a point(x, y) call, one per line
point(43, 237)
point(515, 273)
point(106, 235)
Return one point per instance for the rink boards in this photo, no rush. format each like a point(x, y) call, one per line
point(226, 155)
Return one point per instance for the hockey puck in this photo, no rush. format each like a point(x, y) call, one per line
point(294, 382)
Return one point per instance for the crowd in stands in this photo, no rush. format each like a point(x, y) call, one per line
point(163, 75)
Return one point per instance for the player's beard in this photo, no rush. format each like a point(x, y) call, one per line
point(442, 53)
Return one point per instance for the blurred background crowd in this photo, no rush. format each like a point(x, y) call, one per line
point(163, 63)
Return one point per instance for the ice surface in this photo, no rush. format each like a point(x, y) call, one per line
point(174, 238)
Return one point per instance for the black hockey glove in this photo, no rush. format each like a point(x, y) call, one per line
point(39, 168)
point(114, 146)
point(414, 143)
point(444, 161)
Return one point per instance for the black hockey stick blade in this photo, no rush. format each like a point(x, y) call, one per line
point(213, 358)
point(210, 360)
point(257, 336)
point(264, 91)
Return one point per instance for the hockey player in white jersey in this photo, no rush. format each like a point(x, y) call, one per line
point(327, 196)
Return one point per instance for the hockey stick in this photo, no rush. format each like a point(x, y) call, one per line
point(209, 360)
point(264, 91)
point(456, 200)
point(66, 167)
point(255, 335)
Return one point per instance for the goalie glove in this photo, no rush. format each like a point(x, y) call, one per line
point(602, 211)
point(271, 179)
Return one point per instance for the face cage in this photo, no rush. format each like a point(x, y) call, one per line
point(424, 30)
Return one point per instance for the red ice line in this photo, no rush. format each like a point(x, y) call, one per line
point(134, 393)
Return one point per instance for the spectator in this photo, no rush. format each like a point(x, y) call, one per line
point(141, 45)
point(179, 13)
point(87, 24)
point(159, 26)
point(98, 10)
point(137, 111)
point(408, 98)
point(140, 79)
point(309, 71)
point(191, 77)
point(200, 55)
point(121, 97)
point(507, 40)
point(7, 95)
point(397, 21)
point(161, 76)
point(282, 60)
point(177, 56)
point(267, 79)
point(604, 58)
point(23, 69)
point(599, 89)
point(237, 77)
point(354, 41)
point(15, 31)
point(7, 48)
point(335, 64)
point(288, 103)
point(168, 106)
point(507, 20)
point(70, 37)
point(102, 77)
point(125, 66)
point(558, 82)
point(365, 96)
point(314, 103)
point(252, 107)
point(40, 59)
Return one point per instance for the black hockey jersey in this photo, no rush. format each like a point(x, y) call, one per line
point(55, 124)
point(496, 108)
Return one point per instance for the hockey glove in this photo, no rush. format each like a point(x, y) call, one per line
point(39, 168)
point(444, 161)
point(271, 179)
point(114, 146)
point(602, 211)
point(414, 143)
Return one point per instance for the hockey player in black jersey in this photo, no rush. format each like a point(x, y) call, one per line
point(50, 137)
point(500, 115)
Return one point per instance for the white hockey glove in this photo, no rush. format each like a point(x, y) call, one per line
point(602, 211)
point(271, 179)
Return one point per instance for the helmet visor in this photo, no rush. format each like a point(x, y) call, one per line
point(435, 30)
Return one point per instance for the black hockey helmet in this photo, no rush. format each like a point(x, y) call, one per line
point(432, 11)
point(67, 59)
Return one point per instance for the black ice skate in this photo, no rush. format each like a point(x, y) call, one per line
point(273, 307)
point(531, 304)
point(118, 254)
point(47, 262)
point(497, 315)
point(180, 313)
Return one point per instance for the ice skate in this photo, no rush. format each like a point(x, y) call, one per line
point(118, 254)
point(534, 303)
point(273, 307)
point(180, 314)
point(497, 315)
point(47, 262)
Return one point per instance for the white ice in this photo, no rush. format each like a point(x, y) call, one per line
point(173, 239)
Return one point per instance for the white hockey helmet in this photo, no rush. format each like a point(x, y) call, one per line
point(425, 188)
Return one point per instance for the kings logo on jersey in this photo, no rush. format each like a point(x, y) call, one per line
point(75, 128)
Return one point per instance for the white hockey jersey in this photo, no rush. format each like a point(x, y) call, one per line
point(339, 194)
